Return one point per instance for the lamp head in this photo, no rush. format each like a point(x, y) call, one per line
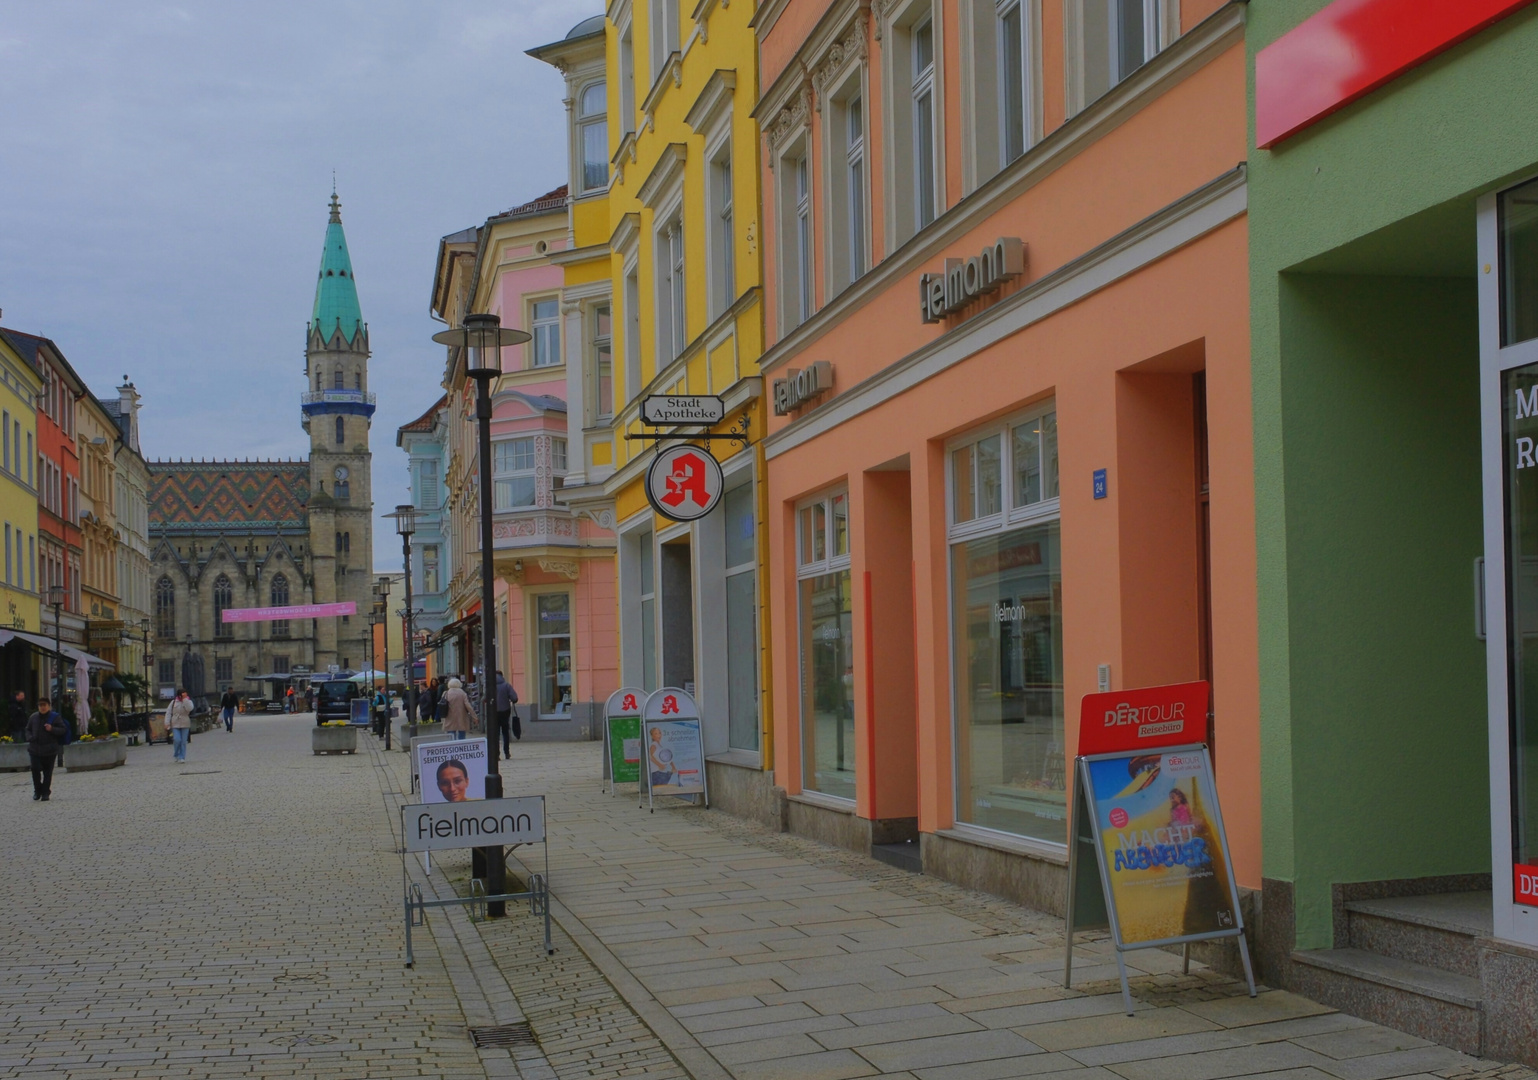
point(482, 337)
point(405, 519)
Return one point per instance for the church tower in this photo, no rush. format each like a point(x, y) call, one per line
point(338, 410)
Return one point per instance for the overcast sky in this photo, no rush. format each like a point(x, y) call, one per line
point(165, 171)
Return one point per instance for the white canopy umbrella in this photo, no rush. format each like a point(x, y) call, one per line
point(82, 690)
point(368, 676)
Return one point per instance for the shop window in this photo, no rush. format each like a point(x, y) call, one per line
point(741, 567)
point(593, 139)
point(513, 473)
point(827, 647)
point(224, 597)
point(552, 627)
point(1006, 626)
point(547, 333)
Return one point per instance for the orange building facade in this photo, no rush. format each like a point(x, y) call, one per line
point(1011, 457)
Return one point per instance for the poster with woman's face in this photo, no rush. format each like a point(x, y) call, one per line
point(1162, 840)
point(452, 771)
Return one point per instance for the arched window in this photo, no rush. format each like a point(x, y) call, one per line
point(278, 596)
point(336, 379)
point(165, 608)
point(594, 139)
point(341, 431)
point(318, 374)
point(224, 597)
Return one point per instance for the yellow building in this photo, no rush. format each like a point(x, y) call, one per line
point(665, 217)
point(20, 384)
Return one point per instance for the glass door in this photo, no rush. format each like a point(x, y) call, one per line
point(1508, 330)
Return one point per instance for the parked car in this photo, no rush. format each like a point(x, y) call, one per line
point(334, 700)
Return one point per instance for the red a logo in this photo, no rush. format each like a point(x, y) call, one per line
point(629, 702)
point(687, 481)
point(669, 704)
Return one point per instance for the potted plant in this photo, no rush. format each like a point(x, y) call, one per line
point(13, 755)
point(92, 752)
point(334, 737)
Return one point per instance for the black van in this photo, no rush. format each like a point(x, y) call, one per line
point(333, 700)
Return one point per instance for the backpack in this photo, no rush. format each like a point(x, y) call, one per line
point(69, 730)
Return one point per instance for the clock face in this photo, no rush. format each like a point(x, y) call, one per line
point(341, 472)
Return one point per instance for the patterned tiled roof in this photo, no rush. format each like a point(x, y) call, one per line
point(245, 495)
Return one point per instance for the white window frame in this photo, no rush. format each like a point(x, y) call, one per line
point(847, 178)
point(663, 29)
point(808, 565)
point(1090, 31)
point(1010, 515)
point(632, 338)
point(584, 123)
point(734, 481)
point(672, 306)
point(503, 470)
point(601, 343)
point(546, 330)
point(922, 90)
point(627, 95)
point(806, 269)
point(790, 272)
point(899, 105)
point(721, 273)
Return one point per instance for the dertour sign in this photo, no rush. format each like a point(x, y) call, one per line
point(966, 280)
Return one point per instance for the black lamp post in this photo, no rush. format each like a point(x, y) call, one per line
point(144, 628)
point(56, 600)
point(373, 663)
point(406, 523)
point(382, 609)
point(482, 337)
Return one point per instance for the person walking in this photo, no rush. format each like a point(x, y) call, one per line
point(427, 704)
point(19, 716)
point(45, 731)
point(288, 700)
point(228, 703)
point(506, 717)
point(456, 710)
point(179, 722)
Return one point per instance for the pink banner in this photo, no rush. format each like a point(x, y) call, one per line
point(298, 611)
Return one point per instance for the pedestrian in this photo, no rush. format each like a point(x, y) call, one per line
point(507, 717)
point(456, 710)
point(19, 716)
point(288, 700)
point(179, 722)
point(45, 731)
point(228, 703)
point(427, 704)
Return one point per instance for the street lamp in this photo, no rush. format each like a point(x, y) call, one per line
point(382, 609)
point(144, 628)
point(56, 596)
point(406, 523)
point(481, 337)
point(373, 663)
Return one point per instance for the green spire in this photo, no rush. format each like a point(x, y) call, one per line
point(336, 294)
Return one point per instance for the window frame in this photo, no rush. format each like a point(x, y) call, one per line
point(809, 566)
point(671, 287)
point(601, 345)
point(720, 197)
point(545, 333)
point(501, 475)
point(921, 89)
point(584, 122)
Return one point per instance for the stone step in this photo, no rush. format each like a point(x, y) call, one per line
point(1427, 1001)
point(1439, 931)
point(904, 856)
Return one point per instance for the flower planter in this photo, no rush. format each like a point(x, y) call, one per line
point(96, 754)
point(334, 740)
point(14, 757)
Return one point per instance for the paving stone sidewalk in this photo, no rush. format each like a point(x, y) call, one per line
point(757, 956)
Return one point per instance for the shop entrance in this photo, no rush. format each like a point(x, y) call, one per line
point(677, 574)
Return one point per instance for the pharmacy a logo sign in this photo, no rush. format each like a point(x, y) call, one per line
point(684, 483)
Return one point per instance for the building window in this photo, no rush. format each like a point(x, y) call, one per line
point(5, 438)
point(922, 44)
point(167, 672)
point(430, 568)
point(224, 598)
point(664, 33)
point(671, 331)
point(626, 81)
point(224, 670)
point(633, 381)
point(552, 617)
point(165, 608)
point(427, 484)
point(547, 333)
point(341, 431)
point(826, 618)
point(846, 231)
point(1014, 102)
point(280, 665)
point(854, 177)
point(278, 597)
point(558, 456)
point(603, 364)
point(513, 473)
point(723, 272)
point(1118, 37)
point(741, 568)
point(336, 379)
point(593, 137)
point(1006, 626)
point(804, 270)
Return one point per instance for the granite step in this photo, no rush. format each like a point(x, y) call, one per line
point(904, 856)
point(1427, 1001)
point(1439, 931)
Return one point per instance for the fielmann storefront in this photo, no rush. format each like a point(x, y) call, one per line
point(1004, 490)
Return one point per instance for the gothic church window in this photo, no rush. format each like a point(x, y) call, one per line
point(165, 608)
point(279, 598)
point(336, 379)
point(341, 430)
point(224, 597)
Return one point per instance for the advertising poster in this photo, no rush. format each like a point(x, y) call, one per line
point(1162, 843)
point(675, 762)
point(623, 714)
point(357, 711)
point(452, 771)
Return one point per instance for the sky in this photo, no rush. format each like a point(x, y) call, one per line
point(165, 171)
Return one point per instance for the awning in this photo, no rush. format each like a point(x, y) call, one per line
point(452, 630)
point(44, 644)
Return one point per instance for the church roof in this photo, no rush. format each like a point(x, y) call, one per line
point(239, 495)
point(336, 293)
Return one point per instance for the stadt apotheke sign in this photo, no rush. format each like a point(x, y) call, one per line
point(660, 409)
point(966, 280)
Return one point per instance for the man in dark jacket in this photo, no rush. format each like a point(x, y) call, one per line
point(19, 716)
point(507, 719)
point(45, 730)
point(427, 702)
point(228, 703)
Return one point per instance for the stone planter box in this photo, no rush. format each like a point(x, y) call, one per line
point(334, 740)
point(14, 757)
point(403, 733)
point(97, 754)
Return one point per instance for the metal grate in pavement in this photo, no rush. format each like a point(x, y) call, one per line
point(504, 1035)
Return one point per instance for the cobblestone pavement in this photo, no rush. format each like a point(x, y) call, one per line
point(240, 916)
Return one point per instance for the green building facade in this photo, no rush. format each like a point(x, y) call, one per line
point(1383, 461)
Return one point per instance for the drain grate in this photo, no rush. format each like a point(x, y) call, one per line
point(504, 1035)
point(304, 1040)
point(299, 977)
point(199, 772)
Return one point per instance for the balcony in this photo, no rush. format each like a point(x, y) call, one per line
point(345, 402)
